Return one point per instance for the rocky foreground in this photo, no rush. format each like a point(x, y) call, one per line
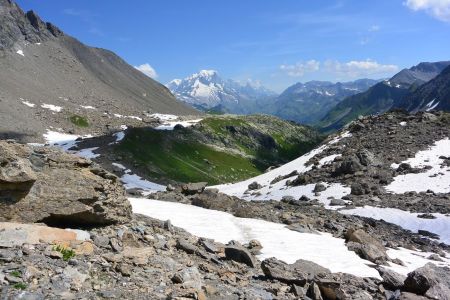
point(115, 254)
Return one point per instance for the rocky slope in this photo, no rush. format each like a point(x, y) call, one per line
point(49, 78)
point(381, 97)
point(137, 257)
point(206, 90)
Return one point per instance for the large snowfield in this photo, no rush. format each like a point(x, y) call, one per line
point(277, 240)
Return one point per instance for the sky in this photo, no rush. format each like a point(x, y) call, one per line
point(272, 42)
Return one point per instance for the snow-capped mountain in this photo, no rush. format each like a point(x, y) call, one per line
point(206, 90)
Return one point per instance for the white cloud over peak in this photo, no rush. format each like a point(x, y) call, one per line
point(357, 68)
point(336, 69)
point(147, 70)
point(299, 69)
point(439, 9)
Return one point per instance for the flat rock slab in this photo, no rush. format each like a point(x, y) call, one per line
point(16, 234)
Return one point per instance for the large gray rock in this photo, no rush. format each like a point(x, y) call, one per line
point(300, 272)
point(193, 188)
point(41, 184)
point(366, 246)
point(236, 252)
point(430, 280)
point(349, 165)
point(392, 280)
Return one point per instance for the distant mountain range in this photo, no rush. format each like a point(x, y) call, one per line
point(303, 102)
point(309, 102)
point(206, 90)
point(389, 94)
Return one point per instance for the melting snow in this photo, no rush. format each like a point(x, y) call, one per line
point(29, 104)
point(406, 220)
point(131, 181)
point(164, 117)
point(277, 240)
point(120, 166)
point(279, 189)
point(439, 181)
point(170, 125)
point(67, 141)
point(402, 123)
point(328, 159)
point(20, 52)
point(412, 259)
point(87, 107)
point(52, 107)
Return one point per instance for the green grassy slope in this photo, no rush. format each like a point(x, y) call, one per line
point(217, 150)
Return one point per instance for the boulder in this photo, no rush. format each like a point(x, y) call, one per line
point(391, 280)
point(234, 251)
point(254, 186)
point(15, 234)
point(319, 187)
point(44, 184)
point(349, 165)
point(193, 188)
point(300, 272)
point(366, 246)
point(431, 281)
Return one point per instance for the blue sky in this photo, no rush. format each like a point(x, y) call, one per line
point(273, 42)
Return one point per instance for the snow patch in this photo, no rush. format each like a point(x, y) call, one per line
point(67, 141)
point(170, 125)
point(87, 107)
point(131, 181)
point(436, 179)
point(406, 220)
point(276, 239)
point(403, 123)
point(52, 107)
point(29, 104)
point(413, 260)
point(20, 52)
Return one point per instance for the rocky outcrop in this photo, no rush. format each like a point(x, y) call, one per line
point(40, 184)
point(430, 281)
point(299, 272)
point(19, 26)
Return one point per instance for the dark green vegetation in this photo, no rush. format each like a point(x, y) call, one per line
point(217, 150)
point(66, 252)
point(79, 121)
point(20, 286)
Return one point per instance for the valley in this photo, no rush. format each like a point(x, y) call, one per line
point(115, 186)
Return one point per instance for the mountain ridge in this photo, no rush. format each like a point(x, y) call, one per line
point(49, 77)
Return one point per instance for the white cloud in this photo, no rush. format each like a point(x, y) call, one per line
point(356, 68)
point(374, 28)
point(299, 69)
point(439, 9)
point(147, 70)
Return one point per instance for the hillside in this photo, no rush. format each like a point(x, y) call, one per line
point(307, 103)
point(217, 149)
point(49, 77)
point(381, 97)
point(433, 95)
